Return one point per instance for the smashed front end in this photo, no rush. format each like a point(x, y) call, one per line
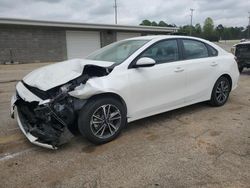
point(45, 122)
point(47, 118)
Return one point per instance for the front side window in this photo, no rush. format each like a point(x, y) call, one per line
point(118, 51)
point(194, 49)
point(162, 52)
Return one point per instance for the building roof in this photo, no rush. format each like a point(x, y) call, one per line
point(79, 25)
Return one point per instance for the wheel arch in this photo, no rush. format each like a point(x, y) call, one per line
point(110, 94)
point(223, 75)
point(229, 79)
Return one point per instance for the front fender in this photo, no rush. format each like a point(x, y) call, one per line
point(97, 86)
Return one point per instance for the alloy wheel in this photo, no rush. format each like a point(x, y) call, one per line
point(105, 121)
point(222, 91)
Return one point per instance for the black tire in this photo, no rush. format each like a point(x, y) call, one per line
point(93, 110)
point(218, 91)
point(241, 69)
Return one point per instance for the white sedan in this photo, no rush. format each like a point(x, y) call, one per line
point(120, 83)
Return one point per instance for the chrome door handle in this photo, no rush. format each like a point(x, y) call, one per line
point(179, 69)
point(213, 64)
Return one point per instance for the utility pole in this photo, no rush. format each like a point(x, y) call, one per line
point(191, 20)
point(115, 7)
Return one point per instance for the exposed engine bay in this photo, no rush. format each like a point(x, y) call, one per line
point(51, 120)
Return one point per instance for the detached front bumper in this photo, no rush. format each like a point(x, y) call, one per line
point(31, 138)
point(20, 123)
point(39, 124)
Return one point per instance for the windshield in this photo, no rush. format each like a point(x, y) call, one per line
point(118, 51)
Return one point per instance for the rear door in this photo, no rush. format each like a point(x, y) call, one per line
point(201, 68)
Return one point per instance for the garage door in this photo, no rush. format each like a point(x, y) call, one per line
point(82, 43)
point(122, 36)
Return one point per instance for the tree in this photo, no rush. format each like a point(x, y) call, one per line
point(154, 23)
point(146, 22)
point(220, 30)
point(208, 27)
point(197, 30)
point(208, 30)
point(172, 25)
point(162, 24)
point(184, 29)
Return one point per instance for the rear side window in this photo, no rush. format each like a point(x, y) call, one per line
point(194, 49)
point(212, 51)
point(163, 52)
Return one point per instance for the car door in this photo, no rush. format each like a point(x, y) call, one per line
point(201, 68)
point(160, 87)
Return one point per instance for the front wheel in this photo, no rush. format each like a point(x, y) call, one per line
point(102, 119)
point(220, 92)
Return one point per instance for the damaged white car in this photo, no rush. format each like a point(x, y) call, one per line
point(120, 83)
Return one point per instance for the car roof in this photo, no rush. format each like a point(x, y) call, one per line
point(150, 37)
point(161, 37)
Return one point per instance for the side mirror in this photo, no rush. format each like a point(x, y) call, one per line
point(145, 62)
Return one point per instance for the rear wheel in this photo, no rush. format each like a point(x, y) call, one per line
point(220, 92)
point(102, 119)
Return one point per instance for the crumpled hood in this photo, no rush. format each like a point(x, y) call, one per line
point(53, 75)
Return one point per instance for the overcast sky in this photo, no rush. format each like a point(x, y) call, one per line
point(130, 12)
